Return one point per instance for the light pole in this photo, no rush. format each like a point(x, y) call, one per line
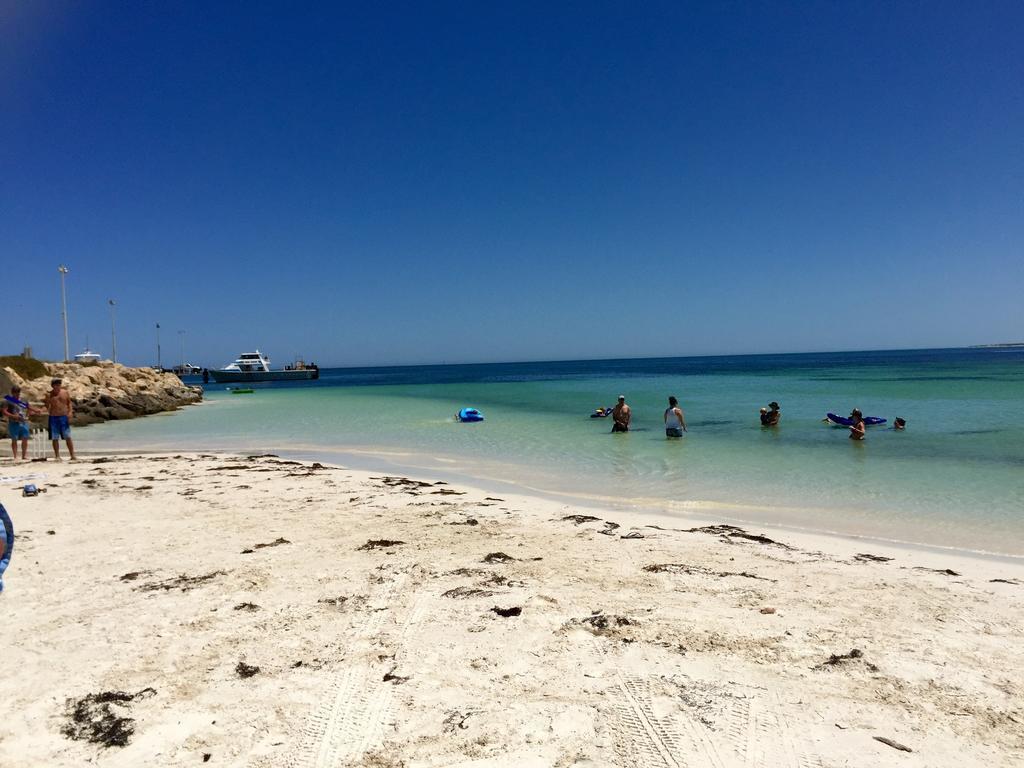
point(113, 331)
point(158, 365)
point(181, 337)
point(64, 309)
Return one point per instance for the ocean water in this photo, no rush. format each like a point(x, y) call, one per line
point(954, 478)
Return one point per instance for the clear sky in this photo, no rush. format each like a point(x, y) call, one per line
point(423, 182)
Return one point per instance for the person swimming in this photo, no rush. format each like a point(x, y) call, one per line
point(899, 423)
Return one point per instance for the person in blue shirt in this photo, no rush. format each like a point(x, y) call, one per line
point(17, 412)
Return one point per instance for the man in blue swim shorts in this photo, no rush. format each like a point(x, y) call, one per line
point(17, 411)
point(59, 406)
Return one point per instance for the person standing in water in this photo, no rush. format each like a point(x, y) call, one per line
point(675, 422)
point(857, 428)
point(621, 415)
point(773, 415)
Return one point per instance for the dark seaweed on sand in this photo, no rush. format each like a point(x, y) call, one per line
point(691, 570)
point(464, 592)
point(380, 544)
point(183, 582)
point(498, 557)
point(838, 659)
point(94, 718)
point(580, 519)
point(244, 670)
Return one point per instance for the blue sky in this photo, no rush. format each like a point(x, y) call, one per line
point(419, 182)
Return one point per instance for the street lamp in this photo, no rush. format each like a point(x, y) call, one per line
point(113, 331)
point(158, 365)
point(64, 309)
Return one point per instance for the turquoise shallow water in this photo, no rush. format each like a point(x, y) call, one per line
point(954, 478)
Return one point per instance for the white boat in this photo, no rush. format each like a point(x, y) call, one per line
point(255, 366)
point(88, 356)
point(187, 369)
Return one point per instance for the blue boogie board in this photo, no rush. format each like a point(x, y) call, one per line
point(843, 421)
point(7, 534)
point(469, 414)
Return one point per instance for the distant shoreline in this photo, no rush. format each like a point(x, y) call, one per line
point(1009, 345)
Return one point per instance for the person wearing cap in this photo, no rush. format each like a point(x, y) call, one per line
point(17, 412)
point(621, 415)
point(61, 409)
point(857, 428)
point(771, 419)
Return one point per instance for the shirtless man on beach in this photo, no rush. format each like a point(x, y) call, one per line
point(621, 414)
point(59, 406)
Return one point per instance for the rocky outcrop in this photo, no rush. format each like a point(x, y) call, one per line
point(107, 391)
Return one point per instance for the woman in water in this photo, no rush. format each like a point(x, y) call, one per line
point(857, 428)
point(675, 423)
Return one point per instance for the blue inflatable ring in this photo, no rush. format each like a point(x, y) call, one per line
point(7, 531)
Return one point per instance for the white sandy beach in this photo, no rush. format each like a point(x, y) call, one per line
point(172, 578)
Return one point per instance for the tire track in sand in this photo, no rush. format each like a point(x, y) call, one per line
point(665, 723)
point(350, 719)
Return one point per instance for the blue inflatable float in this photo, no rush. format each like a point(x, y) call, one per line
point(469, 414)
point(7, 536)
point(843, 421)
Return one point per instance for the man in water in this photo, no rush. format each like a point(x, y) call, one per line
point(771, 418)
point(59, 406)
point(621, 415)
point(17, 412)
point(899, 424)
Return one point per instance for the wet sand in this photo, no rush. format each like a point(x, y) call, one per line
point(262, 612)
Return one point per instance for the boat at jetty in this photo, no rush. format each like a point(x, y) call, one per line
point(87, 356)
point(255, 366)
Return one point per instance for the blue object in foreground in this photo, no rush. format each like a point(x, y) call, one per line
point(7, 534)
point(843, 421)
point(469, 414)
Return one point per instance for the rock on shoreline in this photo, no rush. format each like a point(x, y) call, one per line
point(107, 391)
